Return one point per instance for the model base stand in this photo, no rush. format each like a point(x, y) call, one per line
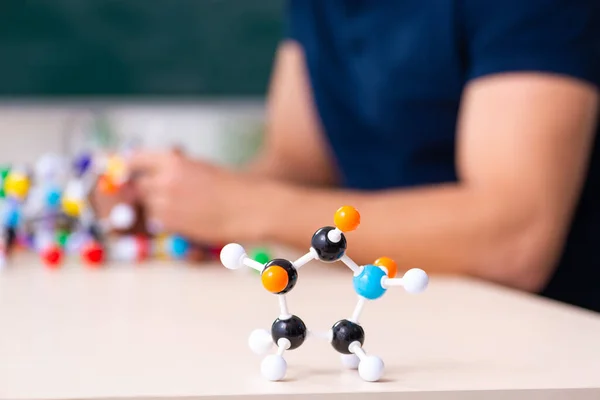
point(288, 332)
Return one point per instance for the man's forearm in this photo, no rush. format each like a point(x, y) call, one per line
point(444, 229)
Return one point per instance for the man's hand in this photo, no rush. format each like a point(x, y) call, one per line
point(195, 199)
point(103, 203)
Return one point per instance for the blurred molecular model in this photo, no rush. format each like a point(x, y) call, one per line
point(48, 208)
point(347, 337)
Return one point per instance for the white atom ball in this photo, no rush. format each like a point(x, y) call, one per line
point(260, 342)
point(415, 280)
point(232, 256)
point(49, 167)
point(274, 367)
point(75, 191)
point(43, 239)
point(371, 369)
point(350, 361)
point(124, 249)
point(122, 216)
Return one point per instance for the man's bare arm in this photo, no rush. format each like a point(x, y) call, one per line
point(523, 149)
point(294, 148)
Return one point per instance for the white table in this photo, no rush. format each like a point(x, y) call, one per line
point(163, 331)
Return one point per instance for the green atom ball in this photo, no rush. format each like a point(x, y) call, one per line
point(260, 255)
point(4, 171)
point(62, 237)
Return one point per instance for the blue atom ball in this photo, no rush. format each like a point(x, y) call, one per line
point(179, 247)
point(12, 218)
point(82, 163)
point(53, 197)
point(368, 283)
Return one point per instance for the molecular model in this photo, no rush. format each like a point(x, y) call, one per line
point(47, 208)
point(347, 337)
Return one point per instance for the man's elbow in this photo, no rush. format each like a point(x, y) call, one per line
point(523, 252)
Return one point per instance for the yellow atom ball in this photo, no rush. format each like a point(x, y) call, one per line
point(16, 185)
point(160, 248)
point(72, 207)
point(116, 168)
point(346, 219)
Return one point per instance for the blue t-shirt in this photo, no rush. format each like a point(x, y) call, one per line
point(387, 78)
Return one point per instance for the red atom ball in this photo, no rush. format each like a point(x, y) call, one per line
point(52, 256)
point(93, 254)
point(143, 247)
point(215, 252)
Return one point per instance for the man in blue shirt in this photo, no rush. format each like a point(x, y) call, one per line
point(463, 131)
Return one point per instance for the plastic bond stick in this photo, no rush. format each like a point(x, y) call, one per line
point(288, 332)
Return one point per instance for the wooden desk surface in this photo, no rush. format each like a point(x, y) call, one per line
point(160, 331)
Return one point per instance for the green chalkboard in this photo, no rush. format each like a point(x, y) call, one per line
point(181, 48)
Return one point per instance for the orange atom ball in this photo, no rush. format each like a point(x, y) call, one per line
point(346, 219)
point(389, 264)
point(275, 279)
point(107, 185)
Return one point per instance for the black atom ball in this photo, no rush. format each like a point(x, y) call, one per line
point(327, 250)
point(96, 233)
point(292, 329)
point(11, 237)
point(345, 333)
point(289, 268)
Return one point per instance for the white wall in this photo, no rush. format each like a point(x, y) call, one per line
point(220, 132)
